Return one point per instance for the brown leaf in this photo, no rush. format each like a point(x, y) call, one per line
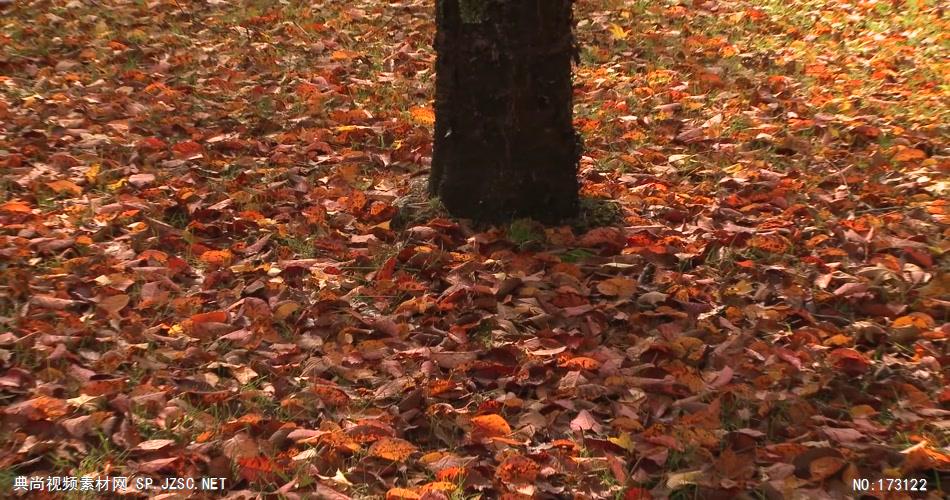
point(849, 289)
point(154, 444)
point(618, 287)
point(141, 180)
point(240, 446)
point(843, 435)
point(451, 360)
point(584, 421)
point(50, 302)
point(825, 467)
point(114, 303)
point(610, 239)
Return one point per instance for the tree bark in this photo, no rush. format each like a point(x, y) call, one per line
point(505, 145)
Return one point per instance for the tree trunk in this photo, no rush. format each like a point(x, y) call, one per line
point(505, 145)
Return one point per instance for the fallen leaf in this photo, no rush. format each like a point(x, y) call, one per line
point(15, 207)
point(141, 180)
point(393, 449)
point(154, 444)
point(41, 408)
point(64, 186)
point(218, 258)
point(518, 469)
point(618, 287)
point(492, 425)
point(584, 421)
point(50, 302)
point(114, 303)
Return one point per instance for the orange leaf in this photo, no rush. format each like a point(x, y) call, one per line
point(402, 494)
point(41, 408)
point(914, 320)
point(342, 55)
point(580, 363)
point(849, 361)
point(422, 115)
point(518, 469)
point(217, 257)
point(258, 468)
point(920, 457)
point(451, 474)
point(394, 449)
point(61, 186)
point(909, 154)
point(15, 207)
point(330, 395)
point(771, 243)
point(187, 149)
point(443, 486)
point(102, 387)
point(210, 317)
point(339, 442)
point(487, 426)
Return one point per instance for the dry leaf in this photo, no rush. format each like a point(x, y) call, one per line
point(393, 449)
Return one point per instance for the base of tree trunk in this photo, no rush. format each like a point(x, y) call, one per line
point(505, 146)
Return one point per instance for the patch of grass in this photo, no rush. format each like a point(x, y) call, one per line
point(577, 255)
point(301, 247)
point(689, 492)
point(597, 212)
point(525, 233)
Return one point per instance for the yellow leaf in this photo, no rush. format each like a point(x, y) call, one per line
point(617, 33)
point(623, 441)
point(115, 186)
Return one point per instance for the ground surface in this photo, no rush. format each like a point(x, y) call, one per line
point(198, 278)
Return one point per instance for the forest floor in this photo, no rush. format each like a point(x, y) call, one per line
point(199, 275)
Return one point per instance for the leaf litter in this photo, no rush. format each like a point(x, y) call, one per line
point(200, 276)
